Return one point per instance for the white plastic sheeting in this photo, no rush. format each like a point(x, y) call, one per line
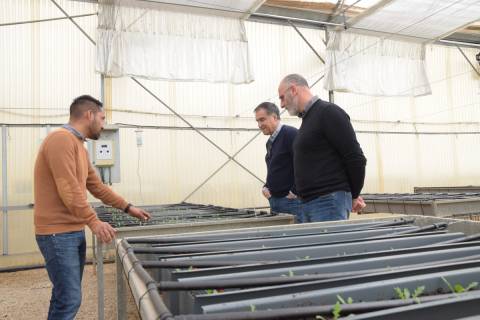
point(375, 66)
point(136, 38)
point(389, 65)
point(424, 19)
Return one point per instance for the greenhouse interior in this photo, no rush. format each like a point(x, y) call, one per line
point(249, 159)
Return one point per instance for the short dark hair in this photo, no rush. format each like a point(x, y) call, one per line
point(270, 108)
point(84, 103)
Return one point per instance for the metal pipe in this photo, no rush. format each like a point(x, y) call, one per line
point(100, 281)
point(468, 60)
point(5, 189)
point(460, 43)
point(306, 41)
point(73, 21)
point(194, 128)
point(331, 96)
point(315, 22)
point(221, 167)
point(121, 289)
point(45, 20)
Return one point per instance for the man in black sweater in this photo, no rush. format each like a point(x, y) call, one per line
point(328, 161)
point(280, 186)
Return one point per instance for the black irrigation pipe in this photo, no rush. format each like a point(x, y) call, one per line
point(169, 250)
point(165, 243)
point(149, 264)
point(303, 312)
point(176, 249)
point(186, 240)
point(432, 227)
point(474, 237)
point(253, 264)
point(278, 280)
point(414, 197)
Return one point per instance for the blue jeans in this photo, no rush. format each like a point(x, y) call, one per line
point(64, 255)
point(285, 205)
point(333, 206)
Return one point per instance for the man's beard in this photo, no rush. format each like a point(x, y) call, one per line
point(94, 136)
point(293, 107)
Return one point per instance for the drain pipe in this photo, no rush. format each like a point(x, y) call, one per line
point(143, 287)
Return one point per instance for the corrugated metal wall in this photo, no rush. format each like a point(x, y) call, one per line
point(45, 65)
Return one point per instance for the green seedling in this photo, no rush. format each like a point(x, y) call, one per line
point(337, 308)
point(458, 288)
point(211, 291)
point(290, 274)
point(406, 294)
point(342, 301)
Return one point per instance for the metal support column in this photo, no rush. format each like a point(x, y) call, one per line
point(5, 189)
point(331, 97)
point(121, 290)
point(100, 281)
point(106, 96)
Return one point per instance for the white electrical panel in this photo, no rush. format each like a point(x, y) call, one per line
point(103, 155)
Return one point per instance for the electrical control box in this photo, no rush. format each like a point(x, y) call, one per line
point(103, 155)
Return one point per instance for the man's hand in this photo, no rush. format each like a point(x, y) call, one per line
point(358, 204)
point(138, 213)
point(104, 232)
point(291, 195)
point(266, 192)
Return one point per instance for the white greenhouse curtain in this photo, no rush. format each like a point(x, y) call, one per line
point(393, 65)
point(141, 39)
point(375, 66)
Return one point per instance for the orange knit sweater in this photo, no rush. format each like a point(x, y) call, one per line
point(62, 175)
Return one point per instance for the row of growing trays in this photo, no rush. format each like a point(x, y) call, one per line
point(177, 213)
point(390, 269)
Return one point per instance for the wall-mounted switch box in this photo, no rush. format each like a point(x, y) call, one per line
point(104, 153)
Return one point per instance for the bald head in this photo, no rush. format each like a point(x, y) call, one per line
point(294, 93)
point(295, 79)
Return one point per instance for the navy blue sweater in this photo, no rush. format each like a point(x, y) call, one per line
point(328, 157)
point(280, 177)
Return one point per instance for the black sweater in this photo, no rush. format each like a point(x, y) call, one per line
point(327, 155)
point(280, 178)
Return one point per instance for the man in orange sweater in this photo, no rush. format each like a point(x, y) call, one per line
point(63, 173)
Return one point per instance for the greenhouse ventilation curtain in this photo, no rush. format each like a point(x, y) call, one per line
point(155, 41)
point(375, 66)
point(393, 64)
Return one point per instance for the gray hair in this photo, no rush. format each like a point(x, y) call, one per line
point(270, 108)
point(295, 79)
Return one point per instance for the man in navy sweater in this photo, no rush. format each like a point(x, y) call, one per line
point(280, 186)
point(328, 161)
